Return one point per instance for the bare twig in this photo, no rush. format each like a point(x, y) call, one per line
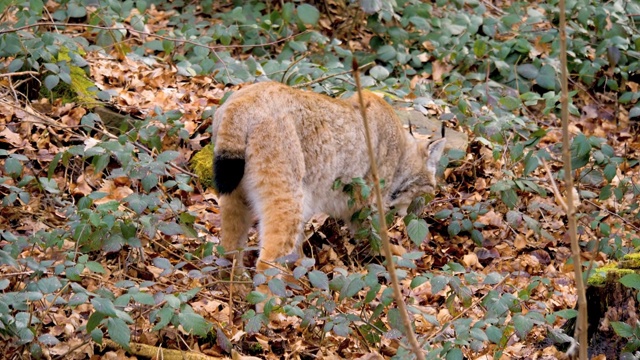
point(386, 245)
point(554, 187)
point(581, 323)
point(320, 79)
point(625, 221)
point(19, 73)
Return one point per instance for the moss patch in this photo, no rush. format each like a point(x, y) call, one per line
point(202, 165)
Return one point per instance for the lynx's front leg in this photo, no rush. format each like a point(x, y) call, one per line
point(236, 222)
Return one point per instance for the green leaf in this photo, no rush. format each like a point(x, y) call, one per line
point(78, 299)
point(530, 163)
point(194, 323)
point(438, 283)
point(567, 313)
point(509, 197)
point(386, 53)
point(510, 103)
point(51, 81)
point(631, 281)
point(165, 315)
point(256, 297)
point(527, 71)
point(417, 281)
point(49, 285)
point(454, 354)
point(94, 320)
point(395, 320)
point(610, 171)
point(12, 167)
point(522, 325)
point(96, 267)
point(277, 287)
point(255, 322)
point(319, 279)
point(454, 228)
point(308, 14)
point(97, 335)
point(417, 230)
point(480, 48)
point(144, 298)
point(104, 306)
point(119, 332)
point(478, 334)
point(547, 77)
point(622, 329)
point(353, 288)
point(634, 112)
point(25, 336)
point(494, 334)
point(50, 185)
point(580, 146)
point(379, 72)
point(443, 214)
point(167, 156)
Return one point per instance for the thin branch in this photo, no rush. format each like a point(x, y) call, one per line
point(19, 73)
point(386, 245)
point(323, 78)
point(581, 323)
point(625, 221)
point(554, 187)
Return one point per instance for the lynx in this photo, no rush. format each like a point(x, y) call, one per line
point(278, 151)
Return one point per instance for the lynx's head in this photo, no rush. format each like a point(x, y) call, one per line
point(417, 174)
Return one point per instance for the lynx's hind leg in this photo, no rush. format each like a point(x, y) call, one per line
point(236, 222)
point(275, 169)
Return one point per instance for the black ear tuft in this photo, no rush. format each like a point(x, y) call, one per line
point(227, 173)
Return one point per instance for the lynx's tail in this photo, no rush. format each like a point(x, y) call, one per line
point(230, 136)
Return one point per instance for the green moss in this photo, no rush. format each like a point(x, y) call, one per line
point(84, 89)
point(202, 165)
point(599, 276)
point(608, 273)
point(630, 261)
point(81, 90)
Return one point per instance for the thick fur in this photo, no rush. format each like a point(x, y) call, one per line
point(279, 151)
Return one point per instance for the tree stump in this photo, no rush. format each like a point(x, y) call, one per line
point(612, 306)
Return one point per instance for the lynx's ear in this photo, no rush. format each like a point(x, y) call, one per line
point(433, 154)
